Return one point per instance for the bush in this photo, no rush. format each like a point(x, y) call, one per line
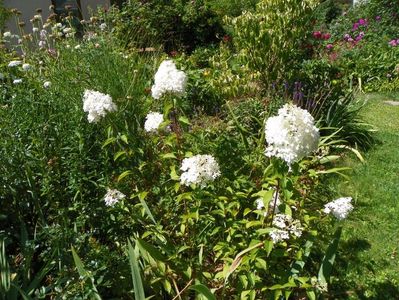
point(178, 25)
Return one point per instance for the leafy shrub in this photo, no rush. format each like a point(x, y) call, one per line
point(264, 42)
point(178, 25)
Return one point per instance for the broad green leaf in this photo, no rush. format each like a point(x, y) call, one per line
point(329, 258)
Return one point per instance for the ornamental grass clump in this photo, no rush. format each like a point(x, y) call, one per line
point(291, 135)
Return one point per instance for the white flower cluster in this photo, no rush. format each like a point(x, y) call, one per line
point(168, 79)
point(199, 169)
point(286, 226)
point(340, 208)
point(291, 135)
point(112, 197)
point(14, 63)
point(97, 105)
point(260, 205)
point(152, 121)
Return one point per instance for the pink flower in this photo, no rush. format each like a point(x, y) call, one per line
point(378, 18)
point(393, 43)
point(329, 46)
point(363, 22)
point(355, 26)
point(317, 34)
point(326, 36)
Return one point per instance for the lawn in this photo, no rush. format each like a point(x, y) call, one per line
point(369, 246)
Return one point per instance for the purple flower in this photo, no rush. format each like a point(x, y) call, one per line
point(361, 34)
point(358, 38)
point(363, 22)
point(346, 36)
point(350, 40)
point(355, 26)
point(329, 46)
point(378, 18)
point(393, 43)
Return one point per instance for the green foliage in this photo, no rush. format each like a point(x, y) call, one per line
point(189, 241)
point(5, 14)
point(270, 40)
point(178, 25)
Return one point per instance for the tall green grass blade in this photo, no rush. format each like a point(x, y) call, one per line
point(136, 277)
point(4, 270)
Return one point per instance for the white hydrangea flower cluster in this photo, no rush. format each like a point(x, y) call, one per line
point(97, 105)
point(260, 205)
point(285, 226)
point(112, 197)
point(340, 207)
point(168, 79)
point(291, 135)
point(199, 169)
point(152, 121)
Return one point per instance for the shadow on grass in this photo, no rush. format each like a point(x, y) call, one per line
point(350, 260)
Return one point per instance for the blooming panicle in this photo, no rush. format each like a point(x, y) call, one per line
point(112, 197)
point(291, 135)
point(97, 105)
point(152, 121)
point(199, 169)
point(168, 79)
point(14, 63)
point(285, 226)
point(340, 207)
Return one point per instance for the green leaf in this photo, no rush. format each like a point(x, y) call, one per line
point(329, 258)
point(5, 279)
point(173, 174)
point(124, 174)
point(184, 120)
point(298, 265)
point(151, 250)
point(136, 277)
point(119, 154)
point(311, 294)
point(203, 290)
point(78, 263)
point(168, 155)
point(108, 141)
point(123, 137)
point(144, 204)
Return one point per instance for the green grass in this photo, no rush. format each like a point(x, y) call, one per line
point(368, 259)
